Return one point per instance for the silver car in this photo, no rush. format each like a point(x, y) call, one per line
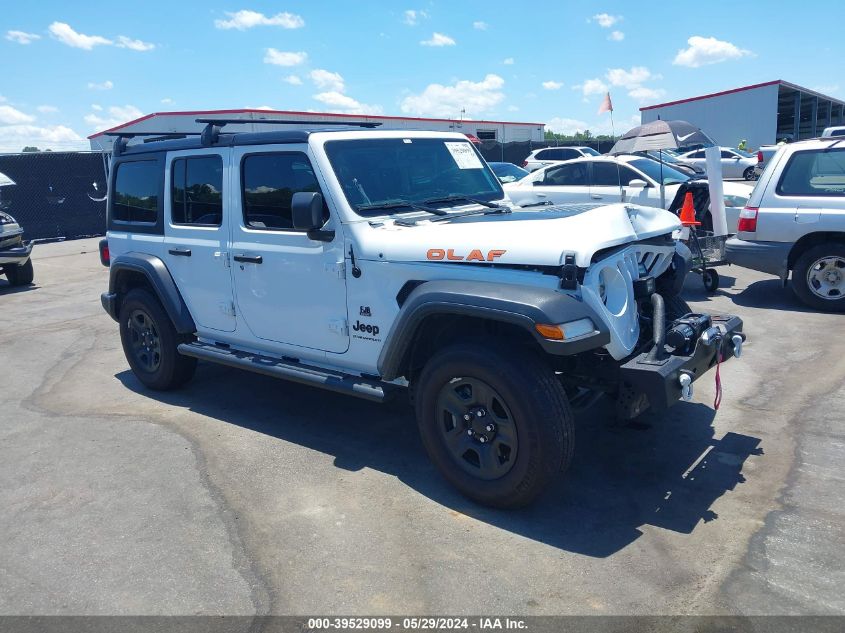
point(735, 162)
point(795, 221)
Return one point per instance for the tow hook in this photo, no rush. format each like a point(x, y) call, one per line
point(736, 339)
point(686, 386)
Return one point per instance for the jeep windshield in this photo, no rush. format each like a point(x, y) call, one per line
point(398, 175)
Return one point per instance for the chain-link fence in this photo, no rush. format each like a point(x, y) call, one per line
point(57, 194)
point(517, 152)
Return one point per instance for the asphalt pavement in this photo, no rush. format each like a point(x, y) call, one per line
point(240, 494)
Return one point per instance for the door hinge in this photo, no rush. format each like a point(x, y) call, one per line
point(227, 307)
point(338, 269)
point(224, 257)
point(339, 326)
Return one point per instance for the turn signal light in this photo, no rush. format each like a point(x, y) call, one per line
point(553, 332)
point(105, 255)
point(747, 220)
point(570, 330)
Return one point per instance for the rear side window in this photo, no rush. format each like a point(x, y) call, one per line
point(197, 190)
point(269, 182)
point(566, 175)
point(814, 173)
point(558, 154)
point(136, 191)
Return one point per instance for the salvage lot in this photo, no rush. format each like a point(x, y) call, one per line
point(240, 494)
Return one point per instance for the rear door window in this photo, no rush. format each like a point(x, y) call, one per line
point(607, 174)
point(566, 175)
point(197, 190)
point(814, 173)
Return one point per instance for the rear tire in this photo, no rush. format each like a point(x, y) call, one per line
point(514, 401)
point(818, 277)
point(750, 174)
point(150, 341)
point(20, 275)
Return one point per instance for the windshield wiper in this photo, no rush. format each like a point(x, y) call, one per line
point(398, 204)
point(457, 198)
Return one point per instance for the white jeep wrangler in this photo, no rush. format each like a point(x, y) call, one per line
point(370, 262)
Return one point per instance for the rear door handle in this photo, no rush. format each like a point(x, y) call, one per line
point(180, 252)
point(249, 259)
point(596, 196)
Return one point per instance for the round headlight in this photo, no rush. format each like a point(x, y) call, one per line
point(612, 290)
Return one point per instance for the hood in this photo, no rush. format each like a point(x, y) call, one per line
point(538, 237)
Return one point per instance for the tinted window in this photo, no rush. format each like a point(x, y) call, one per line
point(590, 151)
point(546, 154)
point(727, 154)
point(269, 182)
point(606, 174)
point(558, 154)
point(486, 135)
point(655, 170)
point(814, 173)
point(197, 190)
point(566, 175)
point(838, 132)
point(136, 187)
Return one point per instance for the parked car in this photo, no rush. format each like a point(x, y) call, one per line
point(550, 155)
point(508, 172)
point(764, 155)
point(15, 253)
point(795, 221)
point(735, 162)
point(836, 130)
point(663, 156)
point(399, 266)
point(597, 179)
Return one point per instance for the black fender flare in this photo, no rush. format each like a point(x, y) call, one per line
point(523, 306)
point(156, 273)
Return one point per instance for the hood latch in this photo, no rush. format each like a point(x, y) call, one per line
point(569, 273)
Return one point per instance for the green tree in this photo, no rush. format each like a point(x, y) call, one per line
point(30, 148)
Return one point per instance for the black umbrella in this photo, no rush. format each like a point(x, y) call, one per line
point(661, 135)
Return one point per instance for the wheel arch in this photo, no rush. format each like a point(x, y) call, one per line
point(141, 270)
point(436, 313)
point(810, 240)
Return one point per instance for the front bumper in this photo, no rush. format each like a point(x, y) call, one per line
point(661, 382)
point(16, 254)
point(767, 257)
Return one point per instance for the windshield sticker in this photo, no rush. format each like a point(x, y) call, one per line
point(465, 157)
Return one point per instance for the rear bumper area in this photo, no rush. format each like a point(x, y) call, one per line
point(767, 257)
point(109, 301)
point(16, 254)
point(660, 381)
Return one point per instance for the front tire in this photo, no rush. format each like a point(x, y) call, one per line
point(495, 422)
point(150, 341)
point(818, 278)
point(20, 275)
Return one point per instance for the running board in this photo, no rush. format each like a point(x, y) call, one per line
point(333, 381)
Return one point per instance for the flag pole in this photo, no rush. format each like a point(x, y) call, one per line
point(616, 160)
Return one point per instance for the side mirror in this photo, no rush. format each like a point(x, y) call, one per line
point(638, 183)
point(307, 210)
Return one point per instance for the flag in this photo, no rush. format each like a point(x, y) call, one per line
point(606, 105)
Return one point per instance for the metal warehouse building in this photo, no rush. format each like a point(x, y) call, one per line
point(761, 114)
point(486, 132)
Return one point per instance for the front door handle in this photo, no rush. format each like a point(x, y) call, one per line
point(249, 259)
point(180, 252)
point(596, 196)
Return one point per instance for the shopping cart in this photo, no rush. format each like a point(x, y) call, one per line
point(708, 251)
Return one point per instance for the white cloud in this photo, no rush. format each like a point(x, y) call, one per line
point(616, 36)
point(508, 61)
point(261, 107)
point(566, 126)
point(47, 109)
point(438, 39)
point(480, 26)
point(22, 37)
point(326, 80)
point(605, 20)
point(411, 17)
point(828, 89)
point(703, 51)
point(243, 20)
point(642, 93)
point(444, 101)
point(344, 103)
point(552, 85)
point(135, 45)
point(106, 85)
point(3, 99)
point(166, 101)
point(293, 80)
point(66, 35)
point(13, 116)
point(513, 108)
point(631, 78)
point(14, 138)
point(117, 115)
point(591, 87)
point(97, 107)
point(284, 58)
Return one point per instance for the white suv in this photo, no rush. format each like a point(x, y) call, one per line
point(371, 263)
point(795, 221)
point(551, 155)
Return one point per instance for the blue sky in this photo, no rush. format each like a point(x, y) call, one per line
point(74, 68)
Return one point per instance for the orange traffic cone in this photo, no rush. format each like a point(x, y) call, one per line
point(688, 212)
